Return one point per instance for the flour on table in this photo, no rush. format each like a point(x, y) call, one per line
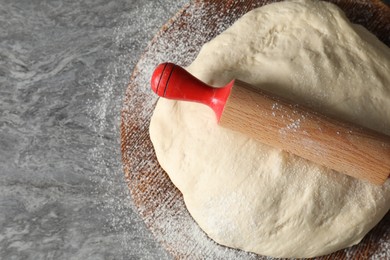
point(250, 196)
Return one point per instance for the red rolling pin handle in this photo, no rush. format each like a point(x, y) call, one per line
point(173, 82)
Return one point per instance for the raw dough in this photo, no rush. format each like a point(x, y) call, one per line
point(247, 195)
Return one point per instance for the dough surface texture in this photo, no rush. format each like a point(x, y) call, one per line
point(250, 196)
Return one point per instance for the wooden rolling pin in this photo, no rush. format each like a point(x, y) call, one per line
point(338, 145)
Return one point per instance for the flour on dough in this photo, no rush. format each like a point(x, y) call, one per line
point(247, 195)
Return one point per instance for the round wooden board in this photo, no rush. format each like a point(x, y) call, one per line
point(159, 202)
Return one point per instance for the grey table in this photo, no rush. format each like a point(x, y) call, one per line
point(64, 66)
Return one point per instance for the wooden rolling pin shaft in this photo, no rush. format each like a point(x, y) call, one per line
point(338, 145)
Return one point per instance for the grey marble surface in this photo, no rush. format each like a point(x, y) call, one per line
point(64, 66)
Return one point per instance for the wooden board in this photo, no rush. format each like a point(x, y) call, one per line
point(159, 203)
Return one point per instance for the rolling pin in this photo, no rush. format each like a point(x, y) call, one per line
point(339, 145)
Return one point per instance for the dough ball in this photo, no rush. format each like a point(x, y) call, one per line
point(250, 196)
